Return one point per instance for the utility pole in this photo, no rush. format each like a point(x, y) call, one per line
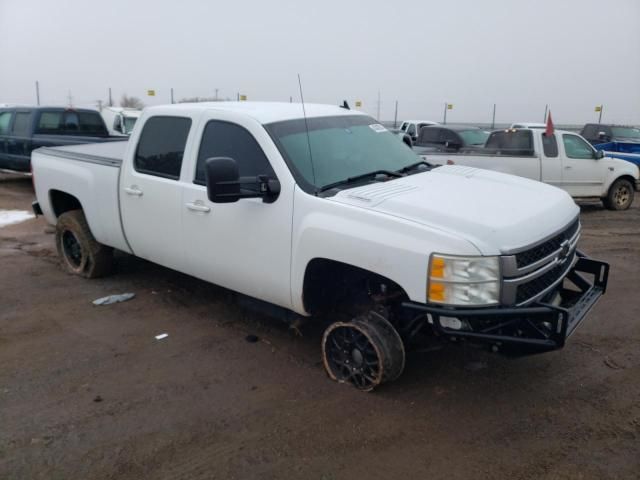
point(395, 116)
point(172, 95)
point(444, 121)
point(546, 109)
point(290, 99)
point(216, 95)
point(600, 115)
point(37, 93)
point(99, 105)
point(70, 97)
point(378, 117)
point(110, 99)
point(493, 120)
point(238, 97)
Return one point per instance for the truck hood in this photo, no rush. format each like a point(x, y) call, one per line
point(496, 212)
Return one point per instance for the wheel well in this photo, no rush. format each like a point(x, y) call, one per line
point(63, 202)
point(331, 285)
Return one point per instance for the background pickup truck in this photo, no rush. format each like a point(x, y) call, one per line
point(23, 129)
point(601, 133)
point(327, 216)
point(564, 159)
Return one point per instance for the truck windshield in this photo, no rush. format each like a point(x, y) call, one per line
point(627, 132)
point(474, 137)
point(129, 122)
point(341, 147)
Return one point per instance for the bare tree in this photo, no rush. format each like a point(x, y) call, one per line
point(131, 102)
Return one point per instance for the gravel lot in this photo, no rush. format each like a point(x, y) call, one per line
point(88, 392)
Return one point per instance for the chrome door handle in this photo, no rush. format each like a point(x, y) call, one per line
point(568, 167)
point(198, 207)
point(133, 190)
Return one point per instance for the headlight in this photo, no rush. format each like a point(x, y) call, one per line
point(463, 281)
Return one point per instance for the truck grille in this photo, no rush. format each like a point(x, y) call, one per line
point(546, 248)
point(539, 284)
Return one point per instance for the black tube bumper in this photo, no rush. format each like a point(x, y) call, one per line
point(541, 326)
point(36, 208)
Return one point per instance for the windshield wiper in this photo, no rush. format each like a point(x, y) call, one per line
point(414, 165)
point(388, 173)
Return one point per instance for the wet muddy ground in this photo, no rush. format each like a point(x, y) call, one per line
point(87, 392)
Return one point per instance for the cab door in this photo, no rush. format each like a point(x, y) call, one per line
point(244, 246)
point(151, 191)
point(582, 173)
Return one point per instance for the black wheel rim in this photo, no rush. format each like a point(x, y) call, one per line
point(72, 248)
point(352, 358)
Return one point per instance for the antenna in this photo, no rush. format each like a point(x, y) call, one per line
point(306, 127)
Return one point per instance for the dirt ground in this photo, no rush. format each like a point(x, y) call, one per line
point(87, 392)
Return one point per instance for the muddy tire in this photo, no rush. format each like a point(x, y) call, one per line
point(365, 352)
point(620, 196)
point(80, 253)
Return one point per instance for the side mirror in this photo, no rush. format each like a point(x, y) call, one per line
point(599, 154)
point(453, 145)
point(117, 125)
point(603, 136)
point(224, 184)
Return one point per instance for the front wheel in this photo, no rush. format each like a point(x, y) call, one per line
point(364, 352)
point(79, 251)
point(620, 195)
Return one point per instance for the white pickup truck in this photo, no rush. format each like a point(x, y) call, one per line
point(564, 159)
point(326, 215)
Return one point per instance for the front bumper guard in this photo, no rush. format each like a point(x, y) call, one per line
point(541, 326)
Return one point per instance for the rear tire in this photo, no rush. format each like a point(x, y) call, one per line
point(620, 195)
point(79, 251)
point(365, 352)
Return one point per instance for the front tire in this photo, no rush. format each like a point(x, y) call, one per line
point(79, 251)
point(365, 352)
point(620, 195)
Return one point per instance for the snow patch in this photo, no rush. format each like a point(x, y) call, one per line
point(9, 217)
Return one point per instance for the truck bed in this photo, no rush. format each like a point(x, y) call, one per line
point(91, 174)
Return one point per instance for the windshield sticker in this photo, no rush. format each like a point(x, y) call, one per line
point(376, 127)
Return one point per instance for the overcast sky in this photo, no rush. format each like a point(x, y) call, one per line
point(571, 54)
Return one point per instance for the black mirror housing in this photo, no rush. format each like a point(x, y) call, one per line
point(223, 180)
point(224, 184)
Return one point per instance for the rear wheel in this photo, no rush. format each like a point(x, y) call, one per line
point(365, 352)
point(80, 252)
point(620, 195)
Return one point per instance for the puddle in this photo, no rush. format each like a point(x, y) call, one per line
point(9, 217)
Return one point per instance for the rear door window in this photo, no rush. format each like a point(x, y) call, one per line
point(50, 123)
point(161, 146)
point(576, 147)
point(550, 145)
point(5, 121)
point(225, 139)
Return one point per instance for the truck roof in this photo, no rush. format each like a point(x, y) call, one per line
point(263, 112)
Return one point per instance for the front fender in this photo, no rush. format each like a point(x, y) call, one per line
point(389, 246)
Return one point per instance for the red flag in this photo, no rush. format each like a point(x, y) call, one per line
point(549, 130)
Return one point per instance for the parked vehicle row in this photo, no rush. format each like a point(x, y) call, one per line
point(563, 159)
point(380, 245)
point(23, 129)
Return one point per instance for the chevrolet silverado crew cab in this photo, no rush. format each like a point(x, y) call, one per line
point(23, 129)
point(326, 215)
point(563, 159)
